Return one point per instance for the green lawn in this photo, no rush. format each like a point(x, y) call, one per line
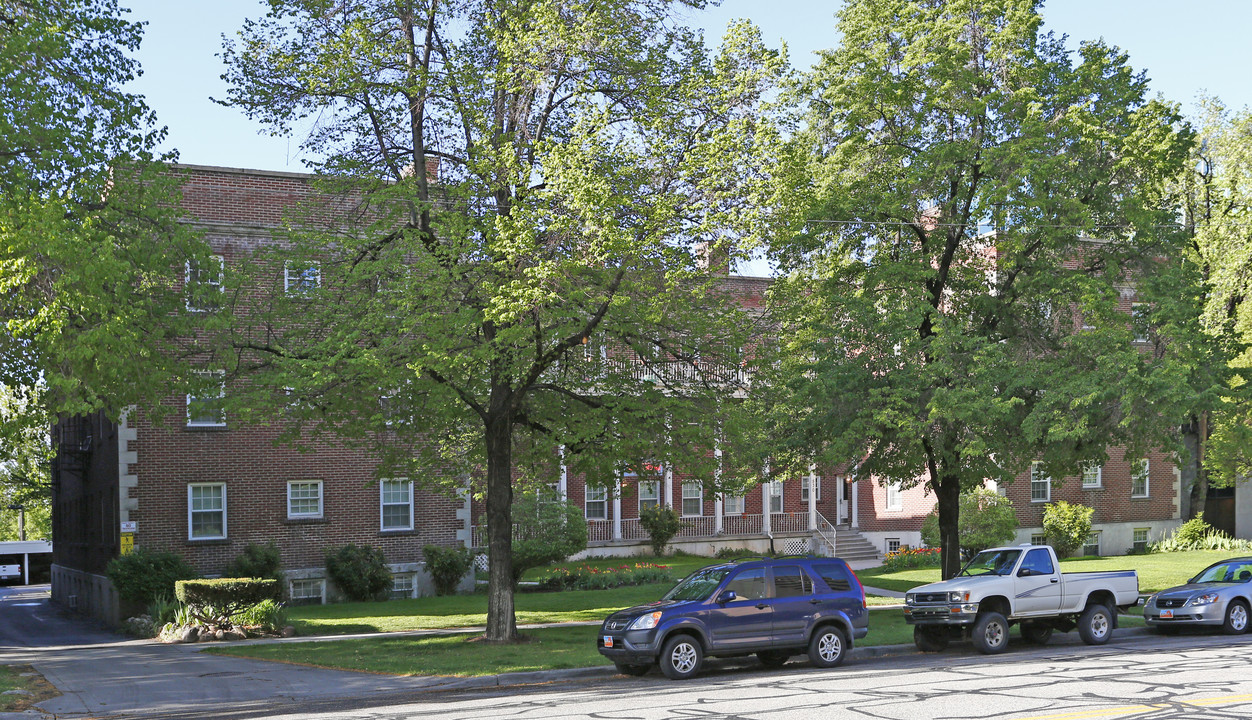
point(34, 688)
point(1156, 572)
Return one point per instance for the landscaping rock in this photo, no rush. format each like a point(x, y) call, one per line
point(233, 635)
point(288, 631)
point(189, 634)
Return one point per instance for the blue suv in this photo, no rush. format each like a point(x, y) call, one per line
point(775, 608)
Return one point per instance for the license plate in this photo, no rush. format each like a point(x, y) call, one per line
point(1167, 614)
point(608, 641)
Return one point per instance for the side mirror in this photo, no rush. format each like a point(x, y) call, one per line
point(726, 597)
point(1025, 572)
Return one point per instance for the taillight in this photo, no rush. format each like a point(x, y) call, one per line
point(859, 586)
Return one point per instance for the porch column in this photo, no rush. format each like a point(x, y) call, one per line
point(765, 526)
point(562, 483)
point(617, 508)
point(812, 497)
point(669, 486)
point(855, 493)
point(717, 482)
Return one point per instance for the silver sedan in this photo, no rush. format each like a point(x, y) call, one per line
point(1220, 595)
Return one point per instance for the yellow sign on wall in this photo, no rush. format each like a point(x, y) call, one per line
point(128, 543)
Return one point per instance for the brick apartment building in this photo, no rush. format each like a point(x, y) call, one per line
point(205, 486)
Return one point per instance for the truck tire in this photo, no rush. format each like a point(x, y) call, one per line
point(1036, 633)
point(1095, 625)
point(827, 647)
point(681, 658)
point(929, 639)
point(991, 633)
point(1236, 618)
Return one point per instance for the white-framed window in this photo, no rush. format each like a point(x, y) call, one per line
point(307, 591)
point(1140, 321)
point(1040, 484)
point(206, 511)
point(894, 500)
point(893, 545)
point(1038, 539)
point(1091, 546)
point(304, 499)
point(1092, 475)
point(395, 499)
point(804, 488)
point(649, 494)
point(596, 505)
point(204, 284)
point(1139, 479)
point(1139, 539)
point(402, 586)
point(732, 505)
point(300, 277)
point(204, 406)
point(693, 499)
point(775, 496)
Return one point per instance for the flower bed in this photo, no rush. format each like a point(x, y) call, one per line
point(907, 557)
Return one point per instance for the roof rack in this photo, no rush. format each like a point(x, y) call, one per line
point(748, 558)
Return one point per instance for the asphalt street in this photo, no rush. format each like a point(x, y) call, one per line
point(102, 675)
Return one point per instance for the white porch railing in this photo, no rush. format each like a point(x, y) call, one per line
point(789, 522)
point(741, 524)
point(702, 526)
point(825, 536)
point(600, 531)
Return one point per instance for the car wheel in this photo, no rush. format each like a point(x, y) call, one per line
point(1236, 618)
point(827, 647)
point(929, 640)
point(632, 669)
point(682, 657)
point(773, 658)
point(991, 633)
point(1095, 625)
point(1036, 633)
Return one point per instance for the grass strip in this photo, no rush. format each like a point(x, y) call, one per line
point(30, 687)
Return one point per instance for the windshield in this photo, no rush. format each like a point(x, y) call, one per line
point(699, 585)
point(992, 562)
point(1229, 572)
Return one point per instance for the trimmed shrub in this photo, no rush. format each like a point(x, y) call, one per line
point(1066, 527)
point(661, 523)
point(987, 519)
point(545, 531)
point(145, 575)
point(586, 577)
point(231, 593)
point(447, 565)
point(257, 561)
point(906, 558)
point(359, 571)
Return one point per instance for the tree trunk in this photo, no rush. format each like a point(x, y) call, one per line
point(501, 621)
point(1198, 429)
point(948, 492)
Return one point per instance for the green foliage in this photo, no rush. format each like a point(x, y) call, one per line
point(907, 558)
point(526, 253)
point(586, 577)
point(229, 593)
point(25, 454)
point(545, 531)
point(145, 575)
point(447, 566)
point(661, 523)
point(987, 519)
point(257, 561)
point(359, 571)
point(1066, 527)
point(913, 339)
point(163, 610)
point(267, 615)
point(1196, 534)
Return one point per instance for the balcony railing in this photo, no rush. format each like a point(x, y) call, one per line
point(700, 526)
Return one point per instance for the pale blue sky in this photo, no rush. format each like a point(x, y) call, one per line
point(1186, 47)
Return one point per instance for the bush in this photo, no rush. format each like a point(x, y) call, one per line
point(145, 575)
point(268, 616)
point(545, 531)
point(447, 565)
point(162, 610)
point(1066, 527)
point(359, 571)
point(987, 519)
point(257, 561)
point(661, 524)
point(232, 593)
point(1196, 534)
point(586, 577)
point(906, 558)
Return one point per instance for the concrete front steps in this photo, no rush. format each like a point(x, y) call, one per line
point(852, 546)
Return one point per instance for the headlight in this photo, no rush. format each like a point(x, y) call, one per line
point(646, 622)
point(908, 599)
point(1150, 601)
point(957, 597)
point(1205, 599)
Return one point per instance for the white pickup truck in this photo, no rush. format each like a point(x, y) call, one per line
point(10, 572)
point(1004, 586)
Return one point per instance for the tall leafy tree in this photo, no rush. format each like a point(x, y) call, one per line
point(90, 256)
point(982, 198)
point(510, 273)
point(25, 451)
